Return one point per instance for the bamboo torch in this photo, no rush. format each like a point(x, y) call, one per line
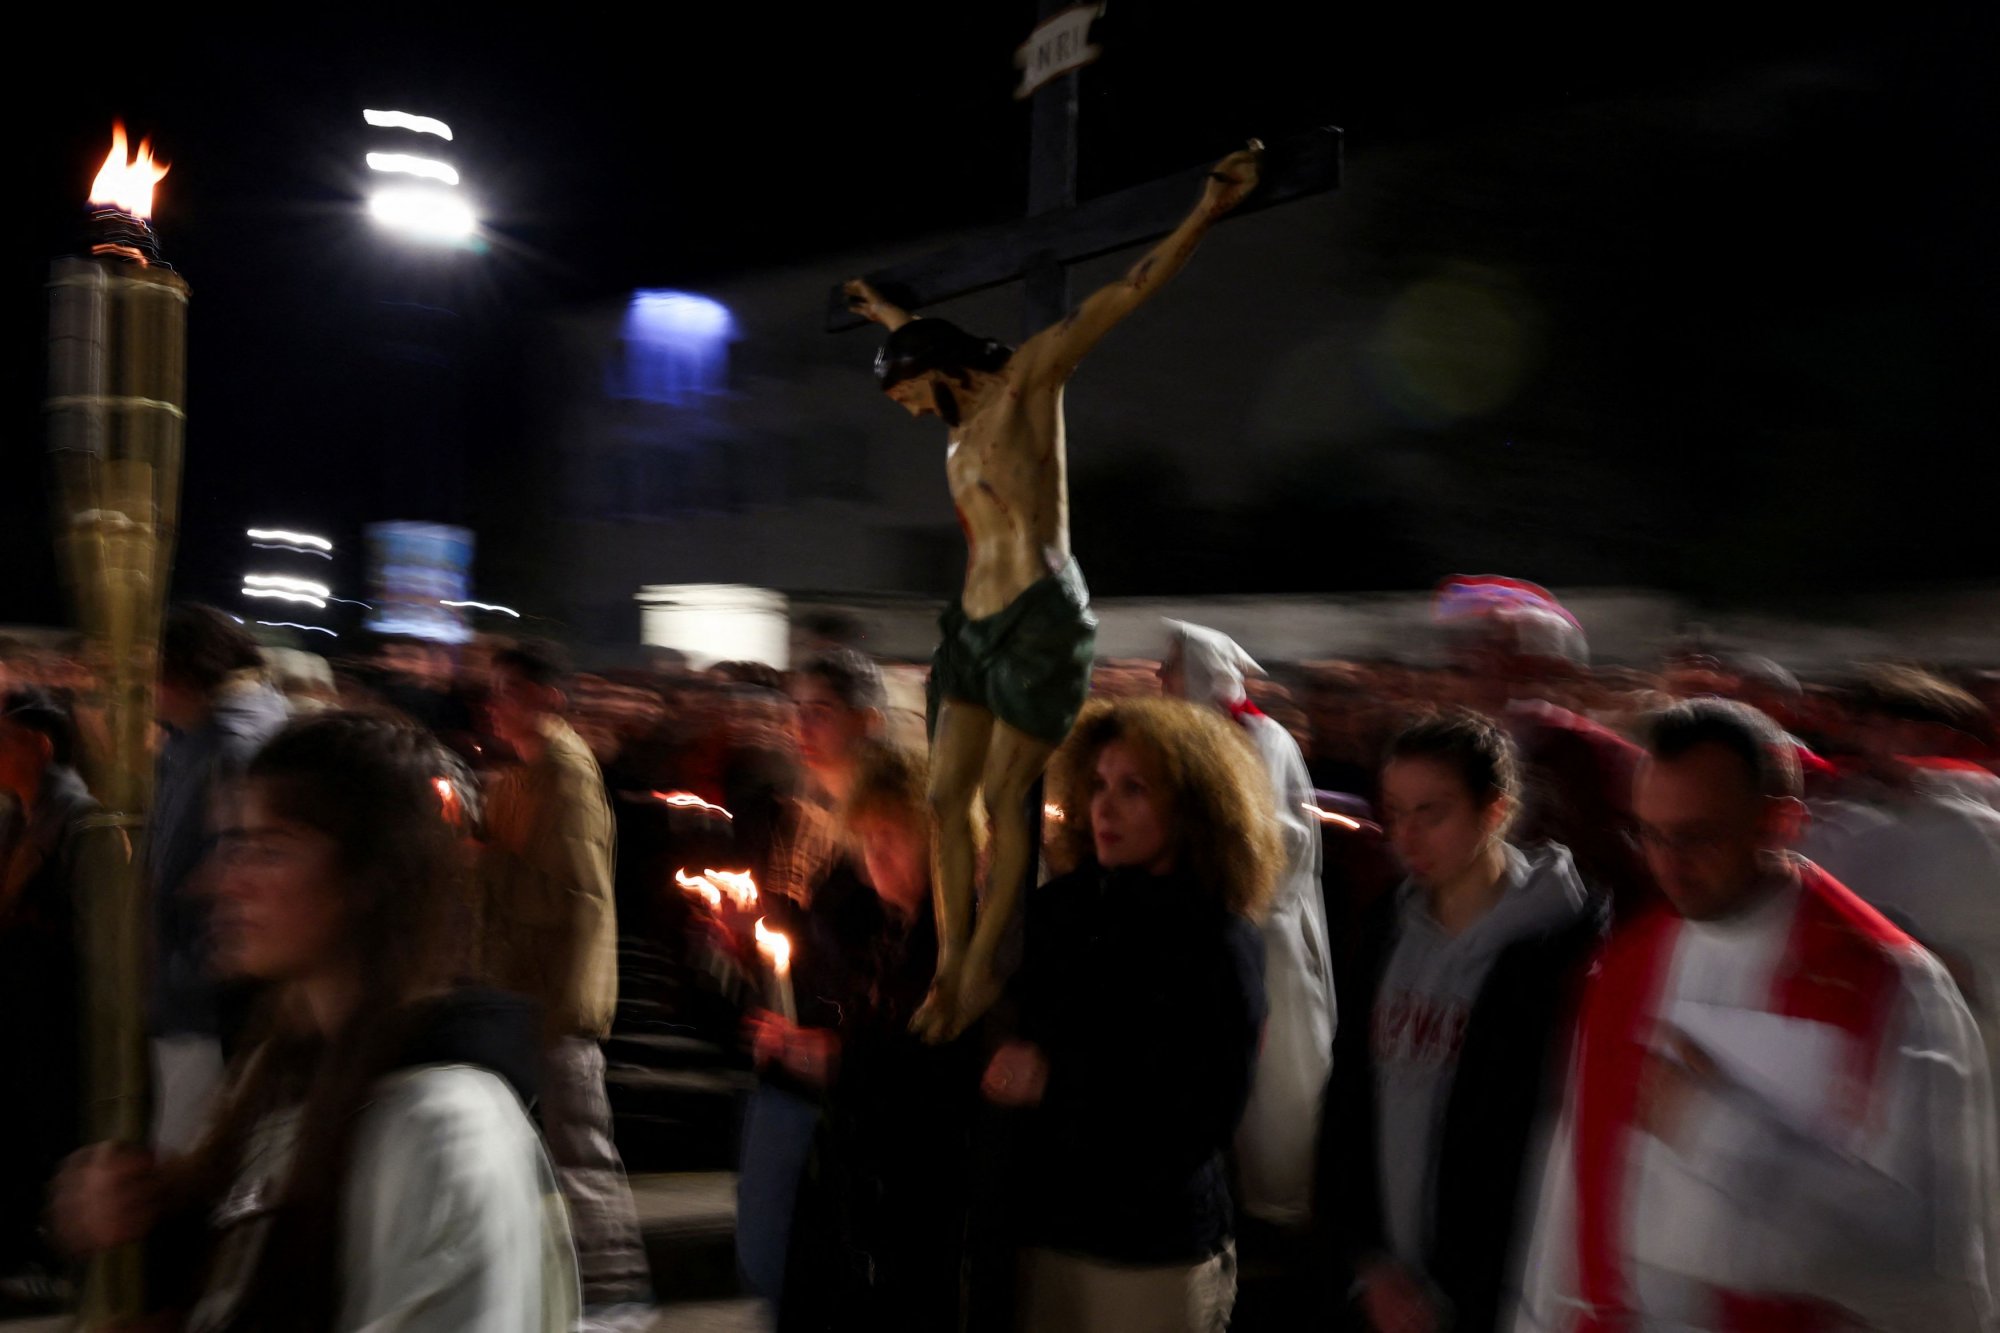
point(117, 376)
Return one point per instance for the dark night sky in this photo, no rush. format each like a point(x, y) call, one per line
point(711, 139)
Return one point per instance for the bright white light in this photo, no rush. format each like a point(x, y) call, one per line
point(1331, 817)
point(290, 538)
point(424, 213)
point(485, 606)
point(283, 596)
point(403, 120)
point(429, 168)
point(286, 583)
point(295, 550)
point(293, 624)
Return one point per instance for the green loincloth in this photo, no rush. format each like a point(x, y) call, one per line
point(1028, 664)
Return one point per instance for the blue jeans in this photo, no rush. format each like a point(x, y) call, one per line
point(777, 1138)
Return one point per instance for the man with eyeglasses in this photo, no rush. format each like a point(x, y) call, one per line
point(1778, 1115)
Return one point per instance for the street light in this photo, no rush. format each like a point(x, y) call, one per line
point(428, 208)
point(425, 214)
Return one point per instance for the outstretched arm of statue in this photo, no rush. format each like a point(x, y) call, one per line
point(870, 304)
point(1061, 346)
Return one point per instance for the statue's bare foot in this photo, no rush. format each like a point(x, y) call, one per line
point(978, 991)
point(937, 1020)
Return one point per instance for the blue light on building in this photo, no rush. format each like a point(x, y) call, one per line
point(676, 347)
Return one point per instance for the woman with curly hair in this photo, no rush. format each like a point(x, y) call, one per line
point(1142, 998)
point(371, 1165)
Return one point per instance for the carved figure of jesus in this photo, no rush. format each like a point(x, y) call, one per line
point(1014, 664)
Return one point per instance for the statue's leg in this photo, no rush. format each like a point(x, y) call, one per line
point(958, 756)
point(1014, 760)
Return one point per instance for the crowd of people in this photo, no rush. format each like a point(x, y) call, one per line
point(1511, 993)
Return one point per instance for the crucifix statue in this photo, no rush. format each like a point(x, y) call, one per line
point(1014, 665)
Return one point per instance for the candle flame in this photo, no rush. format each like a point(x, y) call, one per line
point(1052, 812)
point(736, 884)
point(715, 885)
point(775, 947)
point(699, 886)
point(127, 185)
point(687, 800)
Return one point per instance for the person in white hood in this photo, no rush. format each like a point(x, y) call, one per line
point(1276, 1144)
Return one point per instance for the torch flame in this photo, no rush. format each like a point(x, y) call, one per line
point(127, 185)
point(775, 947)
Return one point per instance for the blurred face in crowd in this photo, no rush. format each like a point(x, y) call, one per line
point(423, 663)
point(24, 753)
point(898, 856)
point(1437, 827)
point(1131, 819)
point(279, 912)
point(829, 731)
point(1706, 829)
point(516, 705)
point(178, 704)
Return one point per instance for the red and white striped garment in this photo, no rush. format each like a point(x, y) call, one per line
point(1840, 1175)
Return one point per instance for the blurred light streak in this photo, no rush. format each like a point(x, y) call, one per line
point(287, 583)
point(289, 538)
point(293, 624)
point(484, 606)
point(409, 165)
point(687, 800)
point(286, 597)
point(403, 120)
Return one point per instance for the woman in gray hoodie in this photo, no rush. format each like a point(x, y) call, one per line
point(1455, 1013)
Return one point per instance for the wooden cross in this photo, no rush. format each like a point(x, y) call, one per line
point(1059, 232)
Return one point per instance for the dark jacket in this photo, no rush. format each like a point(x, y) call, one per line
point(879, 1237)
point(1146, 996)
point(1509, 1065)
point(41, 1012)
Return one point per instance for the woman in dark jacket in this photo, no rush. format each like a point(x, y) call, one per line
point(1452, 1017)
point(878, 1236)
point(1142, 997)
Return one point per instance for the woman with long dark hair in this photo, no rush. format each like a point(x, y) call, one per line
point(371, 1164)
point(1142, 1000)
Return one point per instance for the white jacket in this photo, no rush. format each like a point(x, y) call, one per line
point(452, 1221)
point(1279, 1137)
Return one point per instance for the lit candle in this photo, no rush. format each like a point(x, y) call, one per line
point(778, 949)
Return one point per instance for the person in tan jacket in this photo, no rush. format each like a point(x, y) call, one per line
point(549, 930)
